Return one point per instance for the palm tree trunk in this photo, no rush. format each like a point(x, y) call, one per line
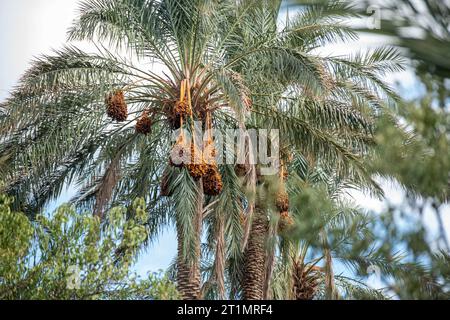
point(188, 272)
point(270, 261)
point(254, 261)
point(219, 262)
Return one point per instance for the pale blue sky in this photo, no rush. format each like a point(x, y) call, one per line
point(32, 27)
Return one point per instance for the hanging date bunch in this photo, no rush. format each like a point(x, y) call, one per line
point(173, 119)
point(199, 162)
point(197, 166)
point(180, 108)
point(180, 154)
point(282, 203)
point(144, 124)
point(183, 107)
point(212, 182)
point(183, 151)
point(240, 170)
point(286, 221)
point(116, 107)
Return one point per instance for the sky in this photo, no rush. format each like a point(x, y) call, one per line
point(29, 28)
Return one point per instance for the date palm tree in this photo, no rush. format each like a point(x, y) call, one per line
point(326, 115)
point(165, 64)
point(160, 64)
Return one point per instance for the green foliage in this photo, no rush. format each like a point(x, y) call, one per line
point(394, 242)
point(413, 143)
point(417, 153)
point(330, 231)
point(425, 273)
point(413, 148)
point(68, 255)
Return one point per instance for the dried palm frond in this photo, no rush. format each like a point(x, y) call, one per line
point(106, 187)
point(247, 102)
point(243, 219)
point(165, 184)
point(306, 281)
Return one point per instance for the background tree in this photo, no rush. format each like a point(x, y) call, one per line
point(415, 139)
point(70, 255)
